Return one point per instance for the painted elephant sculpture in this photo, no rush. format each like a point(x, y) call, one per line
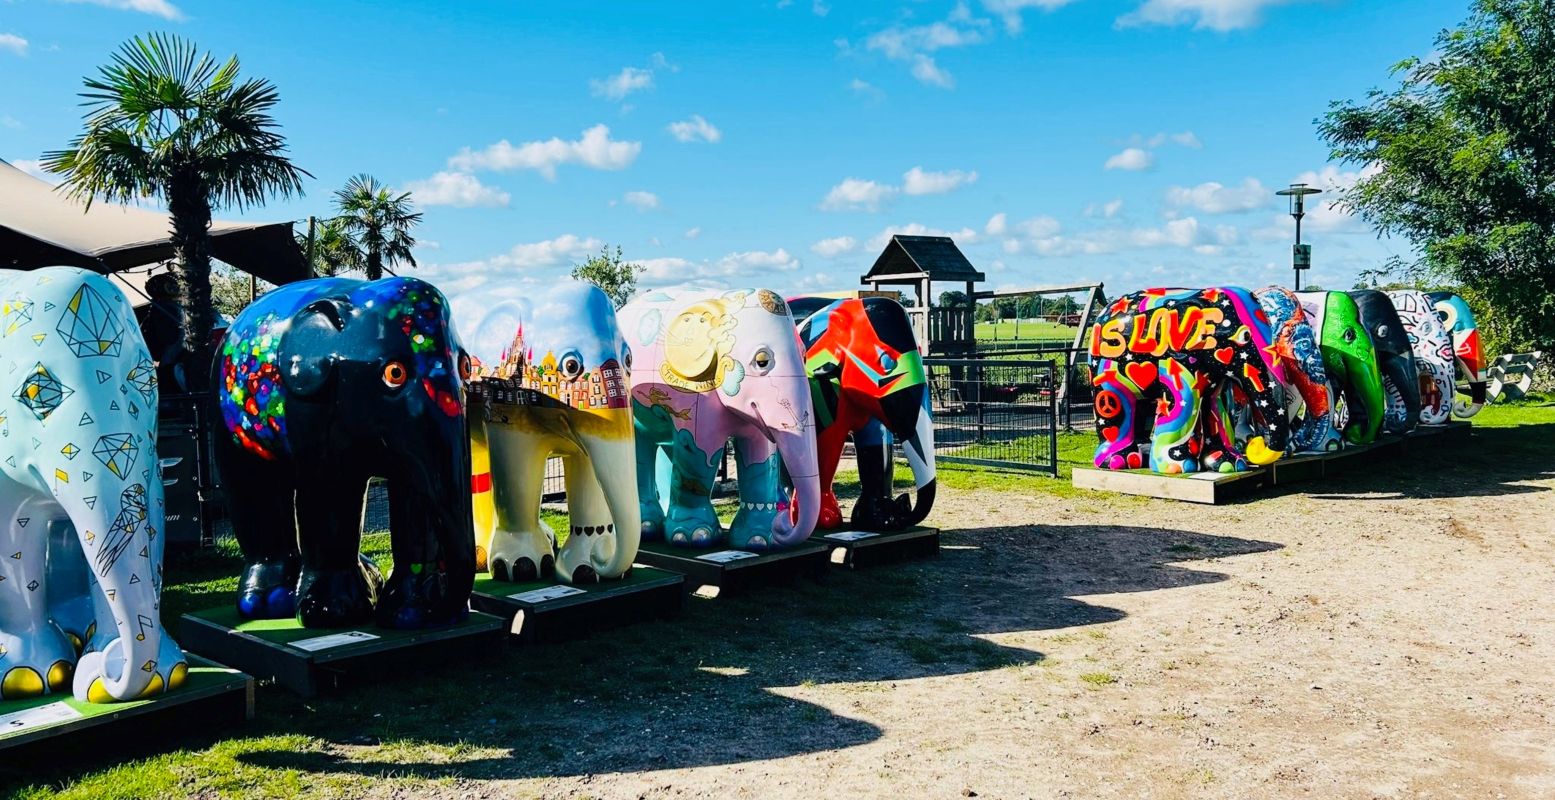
point(1354, 379)
point(1308, 394)
point(1395, 360)
point(712, 366)
point(1433, 351)
point(550, 378)
point(1179, 348)
point(1472, 364)
point(867, 381)
point(80, 496)
point(322, 385)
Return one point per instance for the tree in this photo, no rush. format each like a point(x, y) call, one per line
point(168, 122)
point(611, 273)
point(953, 299)
point(378, 222)
point(1464, 165)
point(230, 288)
point(334, 250)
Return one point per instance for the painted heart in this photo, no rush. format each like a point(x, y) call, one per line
point(1143, 373)
point(1135, 461)
point(1110, 433)
point(1224, 354)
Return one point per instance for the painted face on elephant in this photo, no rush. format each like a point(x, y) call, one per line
point(1351, 363)
point(1433, 351)
point(1296, 346)
point(1458, 319)
point(563, 346)
point(1395, 359)
point(1178, 348)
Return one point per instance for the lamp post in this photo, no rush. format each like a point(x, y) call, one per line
point(1301, 254)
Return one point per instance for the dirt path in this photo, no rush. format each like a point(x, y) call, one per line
point(1353, 642)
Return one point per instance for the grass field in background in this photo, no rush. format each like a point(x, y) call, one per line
point(1026, 330)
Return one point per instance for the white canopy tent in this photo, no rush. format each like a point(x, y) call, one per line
point(41, 226)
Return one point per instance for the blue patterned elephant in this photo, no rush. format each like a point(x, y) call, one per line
point(78, 428)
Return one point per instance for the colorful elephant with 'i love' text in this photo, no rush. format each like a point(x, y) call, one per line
point(1180, 348)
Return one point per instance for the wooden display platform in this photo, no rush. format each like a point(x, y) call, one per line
point(548, 611)
point(213, 697)
point(1213, 487)
point(306, 660)
point(860, 549)
point(730, 571)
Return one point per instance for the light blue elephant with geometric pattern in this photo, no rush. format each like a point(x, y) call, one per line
point(78, 428)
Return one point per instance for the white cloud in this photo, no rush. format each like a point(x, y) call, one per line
point(835, 246)
point(157, 8)
point(1216, 198)
point(593, 149)
point(819, 8)
point(1043, 236)
point(1216, 15)
point(35, 169)
point(457, 189)
point(997, 224)
point(1132, 159)
point(695, 129)
point(1106, 210)
point(915, 45)
point(8, 121)
point(879, 240)
point(855, 194)
point(866, 89)
point(692, 233)
point(16, 45)
point(916, 181)
point(1010, 10)
point(755, 265)
point(548, 253)
point(618, 86)
point(642, 201)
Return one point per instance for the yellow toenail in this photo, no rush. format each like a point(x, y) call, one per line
point(153, 688)
point(177, 677)
point(97, 694)
point(21, 682)
point(59, 676)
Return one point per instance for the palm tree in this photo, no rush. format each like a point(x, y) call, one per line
point(167, 121)
point(379, 221)
point(334, 250)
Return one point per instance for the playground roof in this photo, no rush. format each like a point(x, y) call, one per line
point(42, 227)
point(909, 259)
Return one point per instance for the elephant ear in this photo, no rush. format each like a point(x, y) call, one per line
point(309, 344)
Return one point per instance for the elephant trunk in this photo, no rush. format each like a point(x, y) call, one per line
point(1402, 381)
point(613, 460)
point(797, 448)
point(919, 449)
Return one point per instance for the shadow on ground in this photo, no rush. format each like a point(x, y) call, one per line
point(1493, 462)
point(706, 687)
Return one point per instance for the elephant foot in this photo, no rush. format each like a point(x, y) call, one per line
point(1224, 462)
point(416, 596)
point(34, 664)
point(752, 526)
point(522, 556)
point(693, 527)
point(830, 517)
point(587, 549)
point(268, 589)
point(94, 683)
point(881, 514)
point(653, 522)
point(336, 598)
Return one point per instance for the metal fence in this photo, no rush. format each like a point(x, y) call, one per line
point(996, 412)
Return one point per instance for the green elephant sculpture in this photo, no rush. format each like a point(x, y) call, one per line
point(1351, 361)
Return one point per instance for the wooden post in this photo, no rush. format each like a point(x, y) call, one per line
point(311, 223)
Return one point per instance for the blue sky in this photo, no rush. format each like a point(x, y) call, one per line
point(778, 143)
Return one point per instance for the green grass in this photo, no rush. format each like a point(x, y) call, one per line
point(1008, 330)
point(1099, 679)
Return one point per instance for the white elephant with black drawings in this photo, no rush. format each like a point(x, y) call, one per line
point(78, 426)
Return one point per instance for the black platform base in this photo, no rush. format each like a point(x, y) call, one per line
point(547, 611)
point(308, 660)
point(55, 725)
point(860, 549)
point(721, 571)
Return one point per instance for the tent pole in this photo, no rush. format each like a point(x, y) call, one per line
point(311, 223)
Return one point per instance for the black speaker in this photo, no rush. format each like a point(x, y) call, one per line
point(178, 445)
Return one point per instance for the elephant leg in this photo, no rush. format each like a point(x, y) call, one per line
point(590, 526)
point(411, 597)
point(336, 588)
point(261, 497)
point(1117, 426)
point(36, 656)
point(758, 464)
point(829, 443)
point(521, 548)
point(648, 444)
point(691, 520)
point(875, 509)
point(72, 604)
point(1174, 447)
